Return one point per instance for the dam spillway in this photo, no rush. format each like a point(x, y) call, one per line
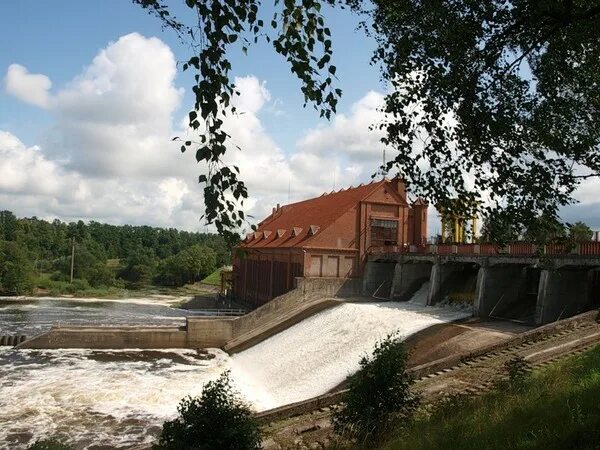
point(121, 397)
point(317, 354)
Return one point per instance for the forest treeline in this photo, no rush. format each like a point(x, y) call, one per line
point(35, 253)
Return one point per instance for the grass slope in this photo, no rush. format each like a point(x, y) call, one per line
point(557, 408)
point(214, 278)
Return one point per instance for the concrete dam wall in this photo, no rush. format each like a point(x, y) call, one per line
point(521, 289)
point(310, 296)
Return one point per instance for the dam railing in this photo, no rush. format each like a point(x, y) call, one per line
point(591, 248)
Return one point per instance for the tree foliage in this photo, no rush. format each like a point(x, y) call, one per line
point(297, 32)
point(545, 229)
point(379, 394)
point(493, 101)
point(189, 265)
point(579, 232)
point(499, 227)
point(218, 419)
point(105, 255)
point(16, 272)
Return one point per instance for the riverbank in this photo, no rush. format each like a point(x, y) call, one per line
point(171, 295)
point(555, 408)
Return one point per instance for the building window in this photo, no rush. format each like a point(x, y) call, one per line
point(384, 232)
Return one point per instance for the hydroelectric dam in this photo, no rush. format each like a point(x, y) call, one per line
point(301, 345)
point(515, 283)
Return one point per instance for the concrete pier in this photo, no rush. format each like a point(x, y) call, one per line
point(498, 287)
point(563, 293)
point(408, 278)
point(511, 287)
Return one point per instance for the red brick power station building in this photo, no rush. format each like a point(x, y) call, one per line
point(326, 236)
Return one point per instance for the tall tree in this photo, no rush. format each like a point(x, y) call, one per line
point(490, 100)
point(16, 272)
point(579, 232)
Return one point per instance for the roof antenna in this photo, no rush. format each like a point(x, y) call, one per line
point(384, 171)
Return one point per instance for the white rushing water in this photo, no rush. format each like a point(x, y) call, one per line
point(317, 354)
point(122, 397)
point(91, 397)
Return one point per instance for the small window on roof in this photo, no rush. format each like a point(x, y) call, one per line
point(313, 229)
point(267, 234)
point(296, 231)
point(280, 232)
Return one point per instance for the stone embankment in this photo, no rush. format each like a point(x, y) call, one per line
point(232, 334)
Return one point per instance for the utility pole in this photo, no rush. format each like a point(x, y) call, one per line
point(72, 256)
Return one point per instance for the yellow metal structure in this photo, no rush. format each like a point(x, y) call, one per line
point(455, 227)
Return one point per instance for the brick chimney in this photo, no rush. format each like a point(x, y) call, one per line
point(399, 185)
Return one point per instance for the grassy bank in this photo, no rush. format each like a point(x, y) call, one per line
point(44, 286)
point(214, 278)
point(557, 408)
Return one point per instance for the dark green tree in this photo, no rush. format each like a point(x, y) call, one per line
point(140, 267)
point(379, 395)
point(496, 98)
point(499, 227)
point(9, 226)
point(16, 271)
point(580, 232)
point(545, 229)
point(100, 275)
point(218, 419)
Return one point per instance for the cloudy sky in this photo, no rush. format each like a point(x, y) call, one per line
point(92, 95)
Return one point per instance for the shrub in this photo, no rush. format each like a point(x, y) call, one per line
point(49, 444)
point(218, 419)
point(518, 370)
point(100, 275)
point(379, 394)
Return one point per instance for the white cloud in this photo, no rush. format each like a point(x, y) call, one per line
point(28, 87)
point(350, 134)
point(109, 155)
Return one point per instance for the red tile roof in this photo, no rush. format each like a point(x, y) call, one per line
point(302, 218)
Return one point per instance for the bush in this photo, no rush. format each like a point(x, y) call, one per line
point(49, 444)
point(379, 394)
point(518, 370)
point(218, 419)
point(100, 275)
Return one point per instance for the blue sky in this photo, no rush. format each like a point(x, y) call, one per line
point(59, 38)
point(97, 143)
point(93, 146)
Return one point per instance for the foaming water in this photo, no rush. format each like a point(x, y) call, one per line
point(115, 398)
point(420, 297)
point(317, 354)
point(31, 316)
point(120, 398)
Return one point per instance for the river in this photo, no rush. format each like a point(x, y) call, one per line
point(119, 398)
